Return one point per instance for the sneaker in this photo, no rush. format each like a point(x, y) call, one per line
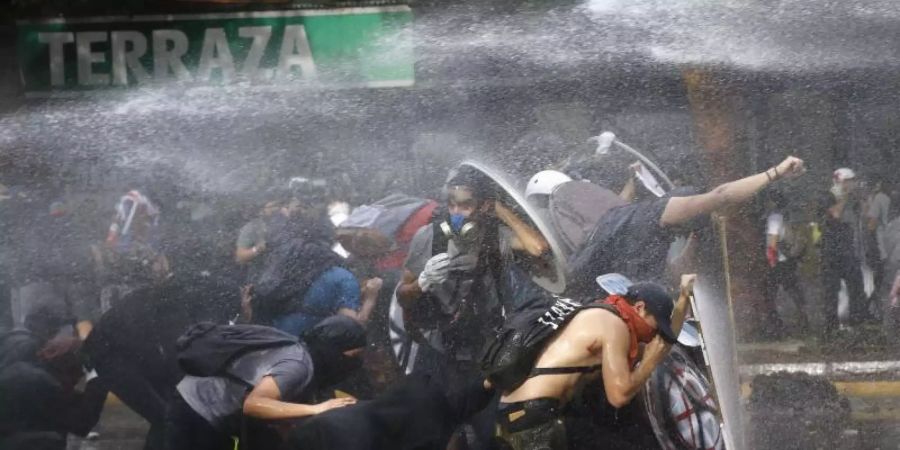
point(92, 436)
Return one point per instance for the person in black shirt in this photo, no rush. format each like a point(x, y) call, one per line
point(40, 404)
point(633, 239)
point(840, 212)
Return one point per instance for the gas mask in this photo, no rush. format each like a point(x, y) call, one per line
point(457, 227)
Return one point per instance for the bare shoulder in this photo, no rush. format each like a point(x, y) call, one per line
point(598, 323)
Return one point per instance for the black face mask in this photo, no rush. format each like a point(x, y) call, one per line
point(331, 366)
point(327, 343)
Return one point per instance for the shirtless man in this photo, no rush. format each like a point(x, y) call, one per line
point(600, 342)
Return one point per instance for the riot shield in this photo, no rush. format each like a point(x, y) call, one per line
point(550, 273)
point(686, 373)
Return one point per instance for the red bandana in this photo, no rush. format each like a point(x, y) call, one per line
point(638, 328)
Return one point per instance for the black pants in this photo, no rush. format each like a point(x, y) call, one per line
point(454, 375)
point(33, 440)
point(186, 430)
point(835, 269)
point(139, 392)
point(784, 275)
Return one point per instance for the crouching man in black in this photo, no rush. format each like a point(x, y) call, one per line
point(265, 385)
point(40, 367)
point(416, 414)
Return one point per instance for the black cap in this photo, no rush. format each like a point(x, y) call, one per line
point(659, 303)
point(339, 331)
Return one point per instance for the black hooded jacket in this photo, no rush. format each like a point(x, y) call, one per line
point(414, 415)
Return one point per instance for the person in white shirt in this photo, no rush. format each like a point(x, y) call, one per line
point(878, 215)
point(890, 289)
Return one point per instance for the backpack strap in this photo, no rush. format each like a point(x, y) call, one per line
point(538, 371)
point(440, 241)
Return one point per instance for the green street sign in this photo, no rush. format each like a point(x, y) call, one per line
point(348, 47)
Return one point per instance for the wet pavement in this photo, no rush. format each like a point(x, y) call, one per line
point(119, 428)
point(875, 422)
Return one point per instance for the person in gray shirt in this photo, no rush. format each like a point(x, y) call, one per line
point(268, 384)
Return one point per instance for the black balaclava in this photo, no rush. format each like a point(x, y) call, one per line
point(44, 322)
point(327, 342)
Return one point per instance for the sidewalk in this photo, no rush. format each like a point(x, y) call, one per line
point(864, 370)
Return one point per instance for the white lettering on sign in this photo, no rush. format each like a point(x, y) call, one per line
point(295, 52)
point(56, 41)
point(261, 36)
point(126, 60)
point(130, 51)
point(167, 61)
point(87, 58)
point(215, 55)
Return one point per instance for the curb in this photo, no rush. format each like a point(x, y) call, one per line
point(832, 370)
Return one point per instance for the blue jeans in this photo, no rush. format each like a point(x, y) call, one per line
point(297, 323)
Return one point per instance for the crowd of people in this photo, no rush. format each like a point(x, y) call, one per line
point(853, 231)
point(317, 326)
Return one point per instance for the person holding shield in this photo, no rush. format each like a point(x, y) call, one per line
point(600, 342)
point(455, 281)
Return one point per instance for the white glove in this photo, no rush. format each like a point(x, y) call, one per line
point(463, 263)
point(435, 272)
point(88, 376)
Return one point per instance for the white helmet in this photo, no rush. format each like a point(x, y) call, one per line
point(544, 182)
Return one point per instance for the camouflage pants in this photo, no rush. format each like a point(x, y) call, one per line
point(547, 436)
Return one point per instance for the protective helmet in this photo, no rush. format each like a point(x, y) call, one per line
point(842, 174)
point(544, 182)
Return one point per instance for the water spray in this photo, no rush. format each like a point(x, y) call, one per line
point(607, 139)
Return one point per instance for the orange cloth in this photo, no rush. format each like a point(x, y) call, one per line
point(638, 328)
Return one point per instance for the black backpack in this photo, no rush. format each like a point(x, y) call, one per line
point(206, 348)
point(509, 357)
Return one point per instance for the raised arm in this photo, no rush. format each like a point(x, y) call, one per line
point(681, 210)
point(619, 382)
point(629, 190)
point(369, 295)
point(681, 305)
point(526, 238)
